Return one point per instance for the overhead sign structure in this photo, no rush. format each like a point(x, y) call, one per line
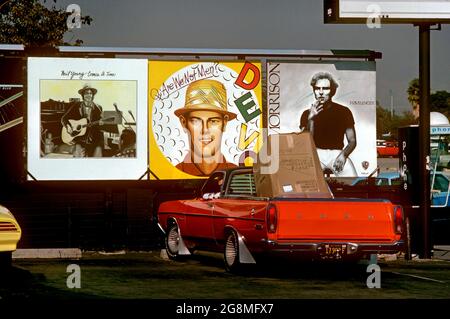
point(334, 100)
point(387, 11)
point(203, 116)
point(86, 119)
point(422, 13)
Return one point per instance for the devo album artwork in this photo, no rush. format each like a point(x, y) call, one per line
point(203, 116)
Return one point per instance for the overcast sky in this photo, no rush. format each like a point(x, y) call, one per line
point(264, 24)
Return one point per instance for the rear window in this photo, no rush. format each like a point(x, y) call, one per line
point(242, 184)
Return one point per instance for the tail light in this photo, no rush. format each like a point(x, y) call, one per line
point(398, 219)
point(272, 218)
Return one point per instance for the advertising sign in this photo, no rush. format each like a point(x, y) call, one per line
point(389, 11)
point(440, 130)
point(336, 102)
point(87, 119)
point(11, 105)
point(203, 116)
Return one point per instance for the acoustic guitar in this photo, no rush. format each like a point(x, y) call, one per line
point(79, 128)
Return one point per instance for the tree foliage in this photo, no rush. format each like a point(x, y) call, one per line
point(439, 100)
point(413, 91)
point(389, 124)
point(32, 23)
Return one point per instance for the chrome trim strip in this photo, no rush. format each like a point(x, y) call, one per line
point(162, 229)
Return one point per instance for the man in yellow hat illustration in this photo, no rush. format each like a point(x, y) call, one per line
point(204, 118)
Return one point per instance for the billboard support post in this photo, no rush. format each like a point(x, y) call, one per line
point(423, 14)
point(424, 134)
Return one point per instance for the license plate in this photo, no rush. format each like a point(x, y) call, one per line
point(333, 251)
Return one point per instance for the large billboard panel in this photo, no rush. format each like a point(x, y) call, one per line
point(336, 101)
point(388, 11)
point(11, 105)
point(87, 119)
point(203, 116)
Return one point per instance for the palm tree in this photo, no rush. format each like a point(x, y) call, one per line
point(414, 96)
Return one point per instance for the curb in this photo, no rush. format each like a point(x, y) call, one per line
point(47, 253)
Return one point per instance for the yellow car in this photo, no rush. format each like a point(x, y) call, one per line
point(10, 234)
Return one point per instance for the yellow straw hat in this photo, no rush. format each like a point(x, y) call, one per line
point(207, 95)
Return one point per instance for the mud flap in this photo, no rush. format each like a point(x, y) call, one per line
point(182, 249)
point(245, 257)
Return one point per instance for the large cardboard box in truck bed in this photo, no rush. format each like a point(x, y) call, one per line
point(299, 172)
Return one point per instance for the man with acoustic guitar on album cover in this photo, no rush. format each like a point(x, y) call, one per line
point(82, 125)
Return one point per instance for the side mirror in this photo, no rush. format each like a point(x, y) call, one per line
point(207, 196)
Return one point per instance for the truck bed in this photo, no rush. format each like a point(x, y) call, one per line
point(356, 220)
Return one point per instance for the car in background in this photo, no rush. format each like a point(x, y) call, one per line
point(387, 148)
point(439, 192)
point(10, 234)
point(382, 179)
point(440, 159)
point(440, 189)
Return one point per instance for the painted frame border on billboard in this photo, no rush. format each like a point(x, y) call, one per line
point(291, 93)
point(107, 138)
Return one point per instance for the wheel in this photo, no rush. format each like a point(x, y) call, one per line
point(173, 242)
point(5, 259)
point(231, 253)
point(408, 253)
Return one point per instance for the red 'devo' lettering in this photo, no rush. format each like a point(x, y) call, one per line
point(244, 71)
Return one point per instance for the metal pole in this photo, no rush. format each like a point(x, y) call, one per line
point(392, 104)
point(424, 135)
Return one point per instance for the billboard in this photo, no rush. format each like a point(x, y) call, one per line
point(389, 11)
point(203, 116)
point(336, 101)
point(11, 105)
point(87, 119)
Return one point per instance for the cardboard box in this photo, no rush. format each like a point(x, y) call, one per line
point(299, 171)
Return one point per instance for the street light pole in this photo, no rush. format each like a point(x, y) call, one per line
point(392, 104)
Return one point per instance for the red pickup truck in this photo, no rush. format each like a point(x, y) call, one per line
point(228, 217)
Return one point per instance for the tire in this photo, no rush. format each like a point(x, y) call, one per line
point(408, 252)
point(5, 260)
point(173, 242)
point(231, 253)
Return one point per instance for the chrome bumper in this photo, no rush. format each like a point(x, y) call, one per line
point(318, 247)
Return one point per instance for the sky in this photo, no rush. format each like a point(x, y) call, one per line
point(263, 24)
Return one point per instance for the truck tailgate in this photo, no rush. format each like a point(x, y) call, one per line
point(335, 220)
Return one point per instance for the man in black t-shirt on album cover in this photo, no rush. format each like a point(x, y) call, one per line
point(328, 122)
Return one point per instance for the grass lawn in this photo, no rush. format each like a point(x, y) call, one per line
point(148, 276)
